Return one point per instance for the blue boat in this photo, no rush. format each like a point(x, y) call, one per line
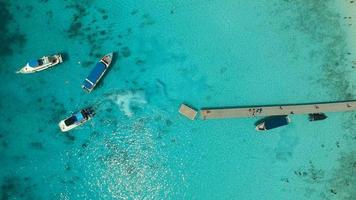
point(272, 122)
point(98, 72)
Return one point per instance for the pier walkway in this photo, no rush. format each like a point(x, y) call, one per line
point(290, 109)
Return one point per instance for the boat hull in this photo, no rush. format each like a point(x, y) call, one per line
point(272, 123)
point(317, 117)
point(97, 73)
point(65, 128)
point(73, 121)
point(46, 62)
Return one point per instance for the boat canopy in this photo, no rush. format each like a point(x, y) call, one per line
point(79, 116)
point(275, 122)
point(33, 63)
point(95, 74)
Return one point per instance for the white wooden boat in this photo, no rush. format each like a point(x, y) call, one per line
point(76, 119)
point(36, 65)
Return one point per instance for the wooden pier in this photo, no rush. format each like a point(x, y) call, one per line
point(290, 109)
point(188, 112)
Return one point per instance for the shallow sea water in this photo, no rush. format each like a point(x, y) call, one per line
point(204, 53)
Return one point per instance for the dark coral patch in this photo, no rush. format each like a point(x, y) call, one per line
point(10, 38)
point(36, 145)
point(125, 52)
point(134, 12)
point(70, 137)
point(87, 63)
point(147, 20)
point(13, 187)
point(85, 27)
point(319, 22)
point(103, 32)
point(343, 182)
point(74, 28)
point(139, 61)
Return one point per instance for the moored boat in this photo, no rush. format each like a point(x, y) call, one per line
point(317, 116)
point(272, 122)
point(76, 119)
point(97, 73)
point(36, 65)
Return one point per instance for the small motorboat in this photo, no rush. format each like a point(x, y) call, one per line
point(272, 122)
point(97, 73)
point(76, 119)
point(36, 65)
point(317, 116)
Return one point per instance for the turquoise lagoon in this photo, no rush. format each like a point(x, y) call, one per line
point(204, 53)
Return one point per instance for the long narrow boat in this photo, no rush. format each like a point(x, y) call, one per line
point(98, 72)
point(76, 119)
point(272, 122)
point(36, 65)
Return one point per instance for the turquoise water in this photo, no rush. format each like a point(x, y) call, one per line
point(203, 53)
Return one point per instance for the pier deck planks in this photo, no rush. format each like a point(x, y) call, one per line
point(188, 112)
point(259, 111)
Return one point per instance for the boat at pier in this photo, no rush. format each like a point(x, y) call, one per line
point(272, 122)
point(317, 116)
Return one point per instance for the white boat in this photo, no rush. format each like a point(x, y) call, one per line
point(36, 65)
point(76, 119)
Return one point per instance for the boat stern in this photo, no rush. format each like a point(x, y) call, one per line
point(87, 86)
point(59, 58)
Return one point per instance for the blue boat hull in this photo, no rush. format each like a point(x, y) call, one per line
point(97, 73)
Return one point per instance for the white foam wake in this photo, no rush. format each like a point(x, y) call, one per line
point(128, 99)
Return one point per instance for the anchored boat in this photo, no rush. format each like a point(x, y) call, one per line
point(98, 72)
point(272, 122)
point(317, 116)
point(76, 119)
point(36, 65)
